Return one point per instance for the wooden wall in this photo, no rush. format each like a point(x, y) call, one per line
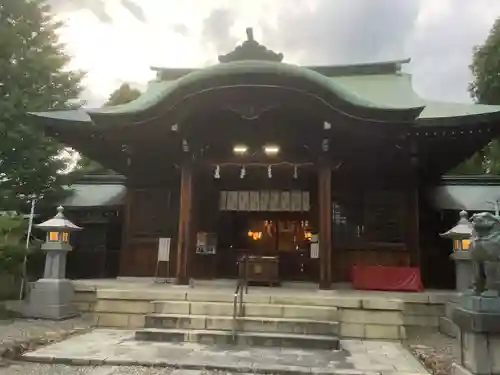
point(151, 213)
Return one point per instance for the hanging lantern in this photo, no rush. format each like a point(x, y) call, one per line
point(217, 172)
point(269, 172)
point(243, 172)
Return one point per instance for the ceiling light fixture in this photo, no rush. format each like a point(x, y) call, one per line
point(240, 149)
point(271, 149)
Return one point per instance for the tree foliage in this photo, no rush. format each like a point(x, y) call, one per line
point(485, 89)
point(13, 227)
point(33, 77)
point(122, 95)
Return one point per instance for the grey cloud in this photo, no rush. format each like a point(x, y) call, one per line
point(216, 29)
point(442, 52)
point(97, 7)
point(180, 29)
point(344, 31)
point(135, 9)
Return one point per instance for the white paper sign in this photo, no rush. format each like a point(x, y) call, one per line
point(164, 249)
point(232, 201)
point(223, 200)
point(254, 201)
point(314, 251)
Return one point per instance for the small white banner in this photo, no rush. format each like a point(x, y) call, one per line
point(314, 251)
point(164, 249)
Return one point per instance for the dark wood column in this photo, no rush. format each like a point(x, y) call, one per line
point(413, 225)
point(325, 226)
point(126, 256)
point(185, 236)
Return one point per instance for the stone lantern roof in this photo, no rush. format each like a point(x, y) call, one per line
point(462, 230)
point(58, 223)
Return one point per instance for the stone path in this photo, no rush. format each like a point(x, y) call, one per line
point(114, 347)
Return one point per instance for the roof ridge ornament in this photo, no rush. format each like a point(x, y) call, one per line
point(250, 49)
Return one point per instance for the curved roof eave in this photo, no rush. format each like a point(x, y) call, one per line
point(378, 67)
point(449, 114)
point(67, 116)
point(160, 91)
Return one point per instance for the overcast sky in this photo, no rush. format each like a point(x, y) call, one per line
point(116, 41)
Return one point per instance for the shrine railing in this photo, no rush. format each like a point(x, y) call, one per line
point(240, 290)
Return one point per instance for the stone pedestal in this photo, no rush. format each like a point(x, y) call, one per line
point(52, 296)
point(463, 269)
point(479, 339)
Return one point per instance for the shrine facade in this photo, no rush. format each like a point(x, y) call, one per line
point(308, 171)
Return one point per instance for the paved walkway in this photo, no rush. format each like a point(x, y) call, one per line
point(116, 347)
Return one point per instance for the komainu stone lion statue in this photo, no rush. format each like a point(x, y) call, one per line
point(485, 254)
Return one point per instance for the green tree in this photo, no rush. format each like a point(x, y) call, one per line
point(33, 77)
point(13, 228)
point(485, 89)
point(122, 95)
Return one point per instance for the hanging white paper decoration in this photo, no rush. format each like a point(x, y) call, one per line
point(295, 172)
point(217, 172)
point(243, 172)
point(269, 172)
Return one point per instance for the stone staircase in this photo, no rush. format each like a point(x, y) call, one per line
point(261, 324)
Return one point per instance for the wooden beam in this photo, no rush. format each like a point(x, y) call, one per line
point(185, 236)
point(325, 226)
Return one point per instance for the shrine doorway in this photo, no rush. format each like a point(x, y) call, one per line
point(282, 235)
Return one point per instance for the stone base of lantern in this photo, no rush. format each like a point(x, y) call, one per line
point(50, 299)
point(464, 271)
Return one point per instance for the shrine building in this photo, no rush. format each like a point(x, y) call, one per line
point(307, 170)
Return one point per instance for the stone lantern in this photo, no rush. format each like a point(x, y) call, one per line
point(461, 234)
point(51, 297)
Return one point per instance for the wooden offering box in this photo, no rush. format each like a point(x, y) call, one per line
point(260, 269)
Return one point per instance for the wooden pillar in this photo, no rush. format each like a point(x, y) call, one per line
point(126, 255)
point(413, 226)
point(185, 236)
point(325, 226)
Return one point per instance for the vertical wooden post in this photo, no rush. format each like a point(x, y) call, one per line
point(185, 236)
point(413, 226)
point(325, 226)
point(126, 255)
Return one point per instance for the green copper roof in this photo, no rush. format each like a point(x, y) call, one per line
point(391, 90)
point(158, 91)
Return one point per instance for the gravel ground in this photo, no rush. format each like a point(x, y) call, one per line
point(436, 351)
point(43, 369)
point(19, 335)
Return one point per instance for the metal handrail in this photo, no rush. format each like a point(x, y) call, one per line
point(241, 288)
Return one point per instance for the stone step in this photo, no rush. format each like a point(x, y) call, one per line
point(213, 337)
point(245, 324)
point(321, 313)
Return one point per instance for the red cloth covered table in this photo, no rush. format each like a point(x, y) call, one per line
point(386, 278)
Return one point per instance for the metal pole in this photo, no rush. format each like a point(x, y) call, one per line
point(25, 260)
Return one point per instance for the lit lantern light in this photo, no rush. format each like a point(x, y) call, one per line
point(461, 233)
point(254, 235)
point(308, 235)
point(58, 229)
